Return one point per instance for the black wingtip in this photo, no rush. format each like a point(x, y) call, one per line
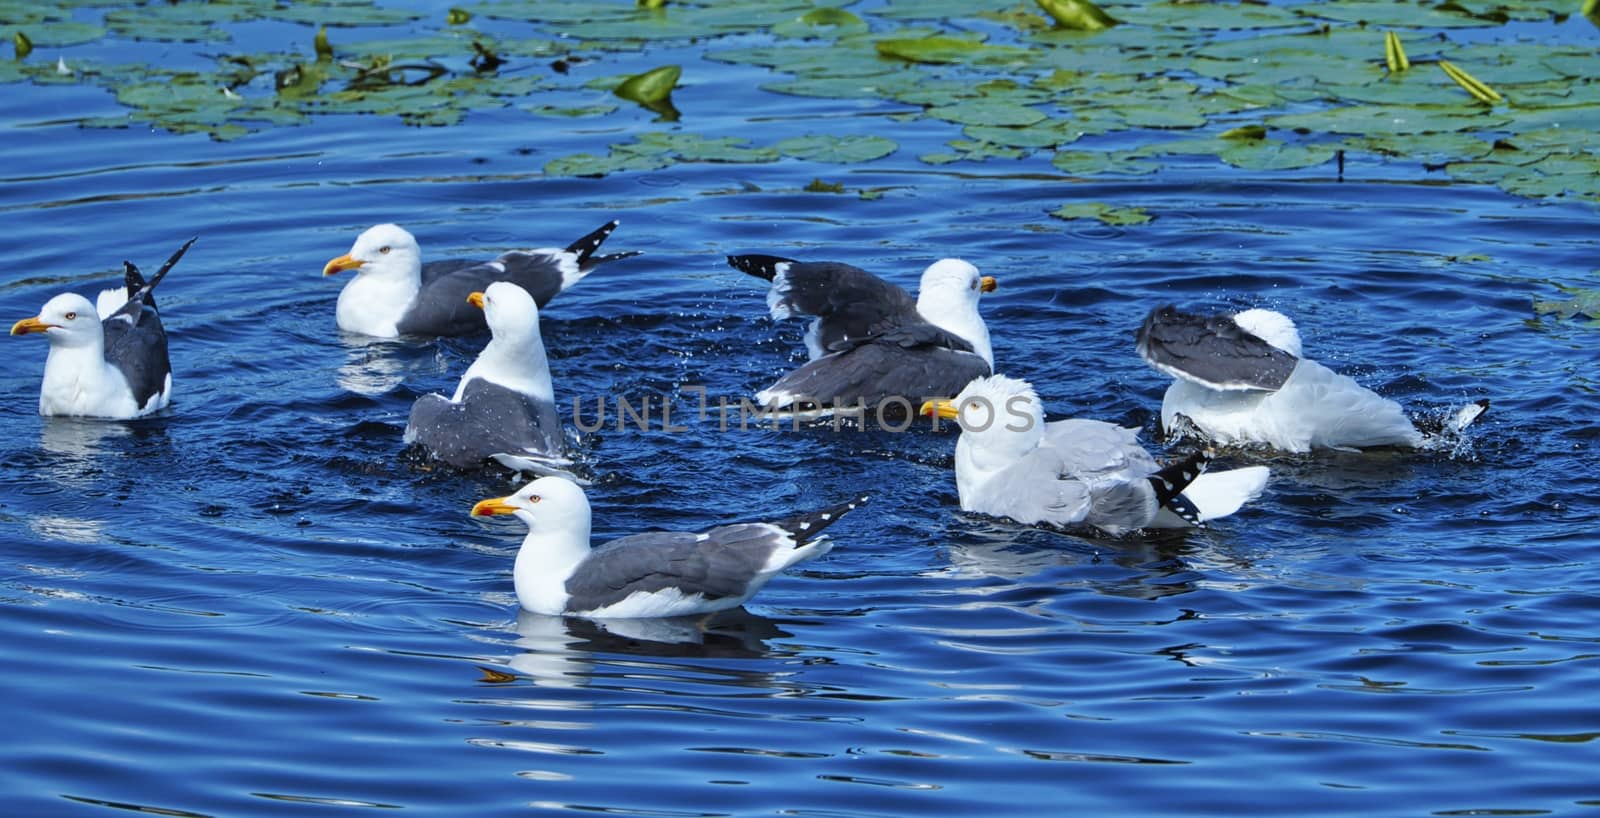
point(585, 247)
point(171, 262)
point(1170, 481)
point(761, 266)
point(806, 527)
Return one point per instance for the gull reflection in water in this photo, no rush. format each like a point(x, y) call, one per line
point(75, 442)
point(560, 651)
point(376, 366)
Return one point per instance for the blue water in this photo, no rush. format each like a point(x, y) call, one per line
point(253, 605)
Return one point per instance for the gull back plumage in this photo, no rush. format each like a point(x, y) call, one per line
point(503, 408)
point(870, 345)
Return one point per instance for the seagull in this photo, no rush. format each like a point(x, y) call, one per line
point(504, 408)
point(1241, 379)
point(871, 345)
point(656, 574)
point(395, 294)
point(1076, 473)
point(114, 368)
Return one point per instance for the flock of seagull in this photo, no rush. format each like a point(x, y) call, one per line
point(872, 347)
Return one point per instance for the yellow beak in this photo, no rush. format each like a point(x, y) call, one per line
point(943, 408)
point(988, 284)
point(476, 300)
point(28, 325)
point(489, 508)
point(340, 264)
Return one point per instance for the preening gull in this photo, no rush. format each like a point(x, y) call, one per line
point(1075, 473)
point(656, 574)
point(870, 343)
point(1240, 379)
point(394, 293)
point(114, 368)
point(504, 408)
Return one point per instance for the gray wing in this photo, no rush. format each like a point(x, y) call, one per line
point(1211, 351)
point(136, 344)
point(489, 420)
point(718, 564)
point(877, 372)
point(851, 306)
point(441, 306)
point(1084, 472)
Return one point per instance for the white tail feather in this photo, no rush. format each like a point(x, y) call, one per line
point(1220, 493)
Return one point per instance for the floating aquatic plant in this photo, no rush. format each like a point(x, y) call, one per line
point(1102, 212)
point(1478, 90)
point(1081, 15)
point(1393, 54)
point(1257, 86)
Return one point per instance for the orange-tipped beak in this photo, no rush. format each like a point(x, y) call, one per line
point(988, 284)
point(489, 508)
point(28, 325)
point(945, 409)
point(476, 300)
point(340, 264)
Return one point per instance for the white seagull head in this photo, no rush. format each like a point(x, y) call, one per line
point(948, 299)
point(549, 506)
point(68, 320)
point(384, 251)
point(512, 314)
point(1273, 327)
point(999, 413)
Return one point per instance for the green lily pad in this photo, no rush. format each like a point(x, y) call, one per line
point(1047, 134)
point(1579, 302)
point(186, 23)
point(1160, 116)
point(838, 149)
point(52, 34)
point(1097, 163)
point(1392, 14)
point(1429, 149)
point(941, 9)
point(972, 150)
point(1372, 120)
point(1102, 212)
point(825, 23)
point(341, 14)
point(585, 164)
point(573, 112)
point(1222, 16)
point(1271, 154)
point(688, 147)
point(943, 49)
point(988, 112)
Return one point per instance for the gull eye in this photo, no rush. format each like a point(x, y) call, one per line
point(72, 316)
point(974, 285)
point(384, 250)
point(533, 498)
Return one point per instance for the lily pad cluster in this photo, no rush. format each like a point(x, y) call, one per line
point(1500, 91)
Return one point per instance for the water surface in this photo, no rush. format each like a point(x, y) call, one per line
point(253, 605)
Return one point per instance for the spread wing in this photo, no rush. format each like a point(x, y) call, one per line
point(1212, 351)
